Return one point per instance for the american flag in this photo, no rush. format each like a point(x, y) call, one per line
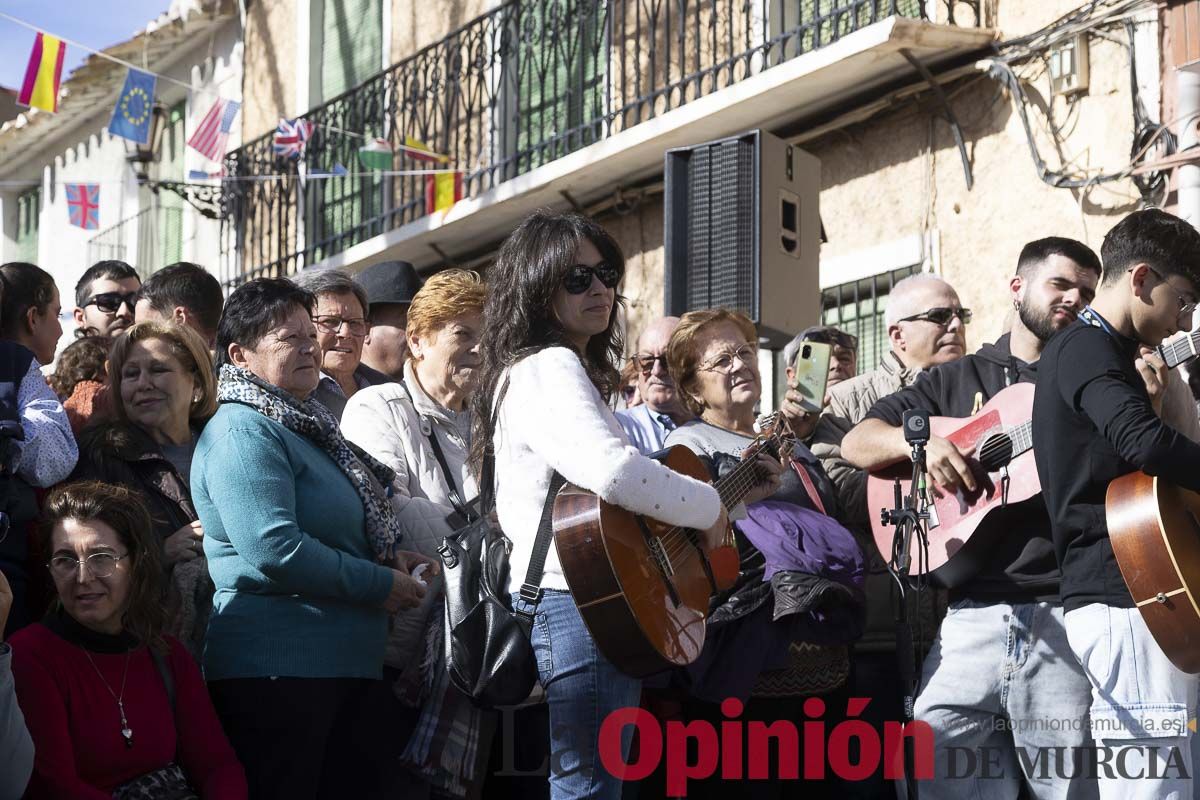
point(210, 137)
point(83, 205)
point(291, 136)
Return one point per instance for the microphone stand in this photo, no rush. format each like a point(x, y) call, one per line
point(909, 516)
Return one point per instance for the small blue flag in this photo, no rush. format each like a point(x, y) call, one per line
point(135, 106)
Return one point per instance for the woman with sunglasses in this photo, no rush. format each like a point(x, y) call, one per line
point(113, 704)
point(550, 343)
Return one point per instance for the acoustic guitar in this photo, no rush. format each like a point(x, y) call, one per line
point(642, 586)
point(1154, 527)
point(1001, 437)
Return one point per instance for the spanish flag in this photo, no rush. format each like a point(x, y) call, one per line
point(44, 74)
point(420, 151)
point(442, 190)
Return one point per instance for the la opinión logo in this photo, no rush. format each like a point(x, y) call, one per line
point(851, 749)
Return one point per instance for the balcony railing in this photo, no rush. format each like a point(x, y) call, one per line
point(520, 86)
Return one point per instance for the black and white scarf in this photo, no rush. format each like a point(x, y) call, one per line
point(370, 479)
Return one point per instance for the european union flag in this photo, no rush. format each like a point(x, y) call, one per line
point(134, 109)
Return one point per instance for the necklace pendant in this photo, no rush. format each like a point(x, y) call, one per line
point(128, 734)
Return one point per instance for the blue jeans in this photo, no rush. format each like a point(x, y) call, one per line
point(1141, 704)
point(582, 688)
point(1001, 690)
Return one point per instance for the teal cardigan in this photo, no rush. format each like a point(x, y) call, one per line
point(298, 592)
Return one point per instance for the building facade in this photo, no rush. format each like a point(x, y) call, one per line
point(949, 133)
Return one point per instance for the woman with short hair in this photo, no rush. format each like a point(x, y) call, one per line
point(305, 552)
point(421, 428)
point(161, 392)
point(113, 703)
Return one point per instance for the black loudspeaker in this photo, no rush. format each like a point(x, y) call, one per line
point(742, 231)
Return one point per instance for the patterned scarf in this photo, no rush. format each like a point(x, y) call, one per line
point(371, 479)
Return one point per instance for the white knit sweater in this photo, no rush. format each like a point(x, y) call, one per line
point(552, 418)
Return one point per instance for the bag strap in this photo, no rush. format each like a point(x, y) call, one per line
point(806, 479)
point(531, 589)
point(164, 672)
point(456, 500)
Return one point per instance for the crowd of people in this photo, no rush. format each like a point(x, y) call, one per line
point(220, 522)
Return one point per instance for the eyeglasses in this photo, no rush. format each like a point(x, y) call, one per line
point(1187, 307)
point(111, 302)
point(333, 324)
point(579, 277)
point(645, 361)
point(940, 316)
point(828, 335)
point(101, 565)
point(747, 354)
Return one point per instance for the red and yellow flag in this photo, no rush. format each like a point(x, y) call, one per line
point(44, 74)
point(442, 191)
point(420, 151)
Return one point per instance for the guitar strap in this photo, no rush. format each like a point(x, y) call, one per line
point(806, 479)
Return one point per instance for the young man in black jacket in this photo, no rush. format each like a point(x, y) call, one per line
point(995, 687)
point(1094, 421)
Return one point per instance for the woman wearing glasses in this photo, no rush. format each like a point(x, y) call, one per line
point(114, 706)
point(341, 319)
point(550, 343)
point(763, 643)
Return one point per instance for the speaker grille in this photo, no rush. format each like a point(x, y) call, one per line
point(721, 231)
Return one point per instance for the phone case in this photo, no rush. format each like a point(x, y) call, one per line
point(810, 374)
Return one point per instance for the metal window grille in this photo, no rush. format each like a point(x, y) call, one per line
point(29, 208)
point(857, 307)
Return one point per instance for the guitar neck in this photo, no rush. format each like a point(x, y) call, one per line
point(1180, 351)
point(734, 487)
point(1022, 437)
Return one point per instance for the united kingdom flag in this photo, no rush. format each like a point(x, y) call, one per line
point(83, 203)
point(291, 137)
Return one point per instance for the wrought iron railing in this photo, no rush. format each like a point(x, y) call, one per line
point(520, 86)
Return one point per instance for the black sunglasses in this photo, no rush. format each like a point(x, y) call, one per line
point(940, 316)
point(579, 277)
point(111, 302)
point(831, 336)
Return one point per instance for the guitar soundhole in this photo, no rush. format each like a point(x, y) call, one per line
point(996, 452)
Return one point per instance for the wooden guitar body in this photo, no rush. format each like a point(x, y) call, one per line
point(643, 599)
point(1005, 474)
point(1155, 532)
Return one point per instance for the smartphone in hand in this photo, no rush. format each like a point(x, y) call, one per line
point(810, 373)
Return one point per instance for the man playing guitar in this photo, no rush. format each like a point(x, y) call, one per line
point(996, 667)
point(1094, 421)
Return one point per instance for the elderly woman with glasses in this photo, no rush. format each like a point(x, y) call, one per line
point(761, 639)
point(116, 708)
point(341, 319)
point(305, 552)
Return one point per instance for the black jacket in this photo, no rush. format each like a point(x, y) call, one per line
point(1023, 567)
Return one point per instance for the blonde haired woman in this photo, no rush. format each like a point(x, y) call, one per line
point(162, 392)
point(421, 429)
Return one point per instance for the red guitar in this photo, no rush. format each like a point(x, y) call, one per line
point(1002, 460)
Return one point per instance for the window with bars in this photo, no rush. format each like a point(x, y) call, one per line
point(29, 210)
point(170, 206)
point(857, 307)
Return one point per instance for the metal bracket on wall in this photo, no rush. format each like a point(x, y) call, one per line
point(202, 197)
point(947, 113)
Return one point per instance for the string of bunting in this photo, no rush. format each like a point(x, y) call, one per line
point(132, 119)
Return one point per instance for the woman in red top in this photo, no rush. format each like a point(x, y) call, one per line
point(109, 700)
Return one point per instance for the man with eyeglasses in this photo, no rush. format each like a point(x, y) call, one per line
point(660, 412)
point(340, 316)
point(995, 684)
point(105, 297)
point(1095, 420)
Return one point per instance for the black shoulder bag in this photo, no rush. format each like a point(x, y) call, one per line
point(488, 653)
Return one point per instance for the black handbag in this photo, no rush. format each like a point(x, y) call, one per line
point(488, 653)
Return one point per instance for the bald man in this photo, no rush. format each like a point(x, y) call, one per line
point(648, 424)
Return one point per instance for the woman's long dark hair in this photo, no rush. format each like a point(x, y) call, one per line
point(517, 316)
